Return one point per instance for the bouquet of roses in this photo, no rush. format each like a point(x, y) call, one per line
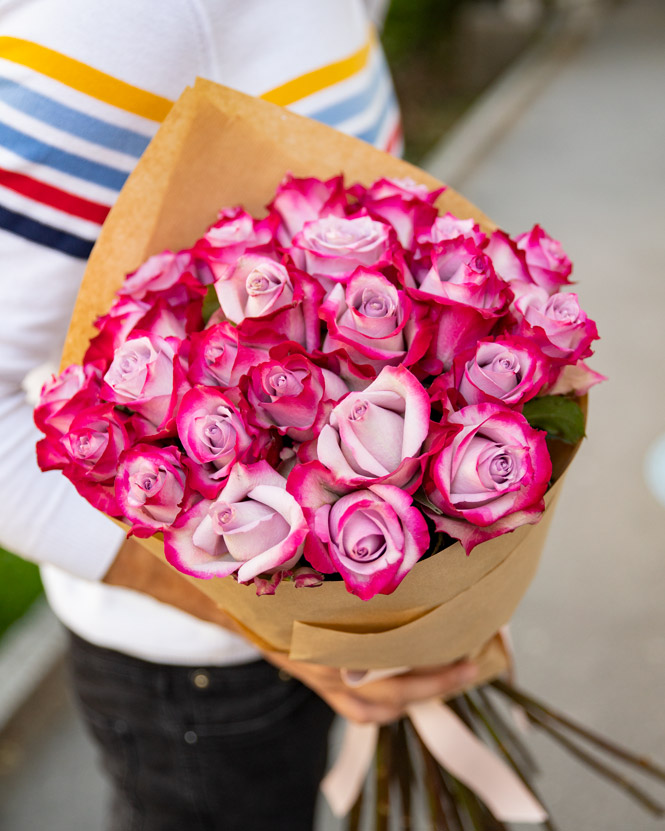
point(329, 395)
point(337, 388)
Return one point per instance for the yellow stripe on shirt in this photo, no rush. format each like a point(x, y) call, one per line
point(84, 78)
point(318, 79)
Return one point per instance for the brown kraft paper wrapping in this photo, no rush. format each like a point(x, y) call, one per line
point(218, 148)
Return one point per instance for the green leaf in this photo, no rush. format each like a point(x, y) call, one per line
point(210, 304)
point(561, 417)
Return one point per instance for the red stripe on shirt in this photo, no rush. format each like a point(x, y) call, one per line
point(54, 197)
point(395, 138)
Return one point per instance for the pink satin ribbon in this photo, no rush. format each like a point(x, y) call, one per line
point(451, 743)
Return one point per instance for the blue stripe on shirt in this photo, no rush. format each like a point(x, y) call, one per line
point(371, 134)
point(70, 120)
point(43, 234)
point(356, 104)
point(36, 151)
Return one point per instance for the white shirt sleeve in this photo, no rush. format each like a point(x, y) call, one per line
point(42, 517)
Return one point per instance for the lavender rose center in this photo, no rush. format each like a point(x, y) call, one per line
point(146, 483)
point(498, 467)
point(282, 382)
point(359, 410)
point(89, 446)
point(218, 434)
point(376, 304)
point(368, 548)
point(261, 281)
point(506, 362)
point(563, 308)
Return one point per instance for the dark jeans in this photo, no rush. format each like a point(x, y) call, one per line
point(210, 749)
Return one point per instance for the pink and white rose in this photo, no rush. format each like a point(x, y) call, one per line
point(402, 203)
point(254, 527)
point(253, 285)
point(331, 248)
point(449, 227)
point(299, 201)
point(212, 430)
point(63, 396)
point(371, 537)
point(466, 296)
point(220, 356)
point(234, 232)
point(557, 324)
point(293, 394)
point(150, 487)
point(546, 260)
point(141, 377)
point(491, 475)
point(377, 435)
point(509, 370)
point(374, 322)
point(157, 274)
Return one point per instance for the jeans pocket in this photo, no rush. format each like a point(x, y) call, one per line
point(257, 708)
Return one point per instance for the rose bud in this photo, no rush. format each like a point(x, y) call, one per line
point(64, 395)
point(141, 377)
point(331, 248)
point(373, 322)
point(377, 435)
point(157, 274)
point(556, 324)
point(149, 487)
point(372, 537)
point(509, 370)
point(268, 585)
point(212, 430)
point(306, 577)
point(491, 475)
point(547, 262)
point(219, 356)
point(298, 201)
point(293, 394)
point(254, 527)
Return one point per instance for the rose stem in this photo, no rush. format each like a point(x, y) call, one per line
point(383, 780)
point(491, 729)
point(600, 767)
point(642, 762)
point(353, 822)
point(478, 814)
point(504, 728)
point(403, 769)
point(437, 814)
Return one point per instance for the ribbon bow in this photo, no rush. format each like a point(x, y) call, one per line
point(452, 744)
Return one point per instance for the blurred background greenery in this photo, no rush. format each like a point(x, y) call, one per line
point(19, 587)
point(444, 53)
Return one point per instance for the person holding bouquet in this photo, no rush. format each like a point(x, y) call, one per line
point(195, 729)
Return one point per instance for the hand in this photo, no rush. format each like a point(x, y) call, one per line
point(382, 701)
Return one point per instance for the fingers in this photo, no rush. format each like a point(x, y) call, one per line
point(382, 701)
point(362, 711)
point(403, 690)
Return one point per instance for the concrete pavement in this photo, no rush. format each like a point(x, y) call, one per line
point(583, 156)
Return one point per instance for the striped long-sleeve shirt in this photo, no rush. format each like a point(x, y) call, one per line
point(83, 87)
